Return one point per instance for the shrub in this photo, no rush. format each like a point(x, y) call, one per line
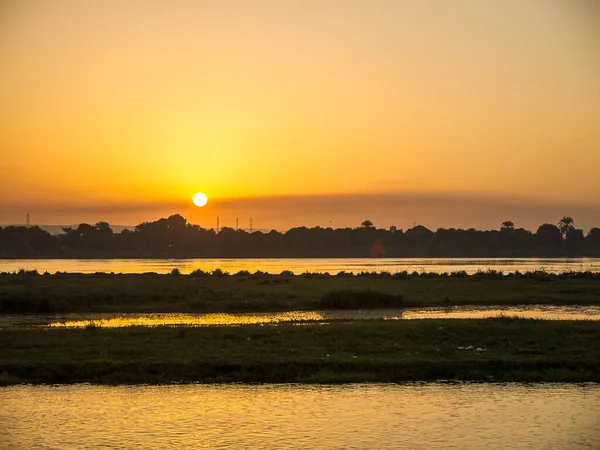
point(219, 273)
point(539, 275)
point(384, 274)
point(404, 275)
point(312, 275)
point(489, 274)
point(459, 274)
point(259, 275)
point(242, 273)
point(199, 273)
point(343, 273)
point(348, 299)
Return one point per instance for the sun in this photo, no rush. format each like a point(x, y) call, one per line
point(200, 199)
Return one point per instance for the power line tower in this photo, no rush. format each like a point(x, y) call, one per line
point(237, 223)
point(28, 219)
point(217, 224)
point(251, 224)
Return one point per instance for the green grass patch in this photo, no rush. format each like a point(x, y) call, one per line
point(29, 292)
point(383, 351)
point(349, 299)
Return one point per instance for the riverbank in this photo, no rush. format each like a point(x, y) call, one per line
point(29, 292)
point(373, 351)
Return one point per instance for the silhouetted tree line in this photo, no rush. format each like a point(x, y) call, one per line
point(176, 238)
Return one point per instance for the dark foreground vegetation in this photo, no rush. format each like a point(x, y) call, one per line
point(30, 292)
point(174, 237)
point(356, 351)
point(378, 351)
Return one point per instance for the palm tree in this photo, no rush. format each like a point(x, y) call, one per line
point(367, 224)
point(565, 225)
point(507, 225)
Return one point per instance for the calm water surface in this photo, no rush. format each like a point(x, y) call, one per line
point(330, 265)
point(116, 320)
point(466, 416)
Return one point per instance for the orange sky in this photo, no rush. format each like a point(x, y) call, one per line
point(300, 112)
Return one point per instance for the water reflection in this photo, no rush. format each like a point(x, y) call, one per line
point(190, 320)
point(218, 319)
point(433, 415)
point(544, 312)
point(301, 265)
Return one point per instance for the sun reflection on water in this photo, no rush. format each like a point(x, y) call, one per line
point(119, 320)
point(216, 319)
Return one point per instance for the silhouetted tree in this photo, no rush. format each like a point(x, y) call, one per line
point(575, 241)
point(507, 225)
point(419, 240)
point(565, 225)
point(41, 242)
point(173, 237)
point(176, 222)
point(367, 224)
point(548, 235)
point(20, 241)
point(593, 236)
point(104, 236)
point(592, 242)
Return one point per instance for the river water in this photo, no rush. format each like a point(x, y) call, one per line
point(301, 265)
point(118, 320)
point(432, 415)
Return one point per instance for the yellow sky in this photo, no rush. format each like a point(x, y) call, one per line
point(122, 110)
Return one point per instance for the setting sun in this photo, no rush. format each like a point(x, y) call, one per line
point(200, 199)
point(368, 163)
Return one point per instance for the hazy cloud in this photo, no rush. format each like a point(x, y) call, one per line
point(283, 212)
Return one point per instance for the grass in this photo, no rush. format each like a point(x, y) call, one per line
point(381, 351)
point(502, 349)
point(29, 292)
point(349, 299)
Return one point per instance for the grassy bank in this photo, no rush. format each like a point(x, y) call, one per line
point(382, 351)
point(218, 292)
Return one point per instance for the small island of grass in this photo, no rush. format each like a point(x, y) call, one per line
point(501, 349)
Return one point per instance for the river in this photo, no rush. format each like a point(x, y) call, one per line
point(119, 320)
point(431, 415)
point(301, 265)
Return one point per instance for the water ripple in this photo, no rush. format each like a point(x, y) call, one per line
point(432, 415)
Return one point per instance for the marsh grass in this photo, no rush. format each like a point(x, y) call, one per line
point(27, 292)
point(384, 351)
point(349, 299)
point(92, 326)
